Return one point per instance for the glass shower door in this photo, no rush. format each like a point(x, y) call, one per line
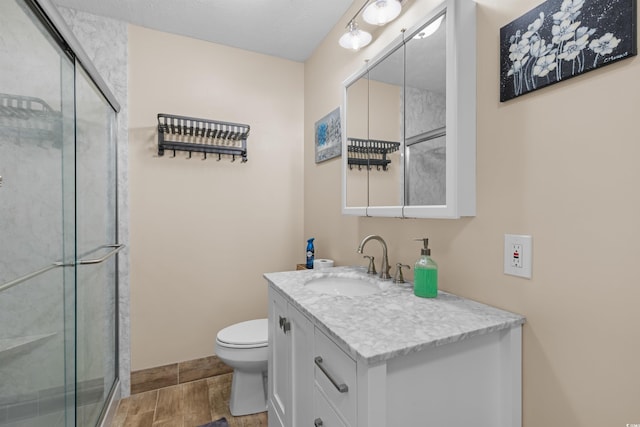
point(37, 225)
point(58, 219)
point(96, 218)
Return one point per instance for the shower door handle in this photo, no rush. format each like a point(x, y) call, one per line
point(115, 249)
point(26, 277)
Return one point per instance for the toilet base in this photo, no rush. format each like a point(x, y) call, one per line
point(248, 393)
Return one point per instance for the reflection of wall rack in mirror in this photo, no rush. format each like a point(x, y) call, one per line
point(29, 117)
point(179, 133)
point(370, 152)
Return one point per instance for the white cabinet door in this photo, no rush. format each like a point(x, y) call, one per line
point(301, 368)
point(279, 362)
point(290, 364)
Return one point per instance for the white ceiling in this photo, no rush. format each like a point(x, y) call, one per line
point(289, 29)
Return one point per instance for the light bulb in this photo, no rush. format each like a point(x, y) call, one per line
point(354, 38)
point(381, 12)
point(430, 29)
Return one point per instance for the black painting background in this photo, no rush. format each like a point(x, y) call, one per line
point(606, 16)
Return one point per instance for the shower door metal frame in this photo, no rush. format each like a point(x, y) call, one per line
point(47, 12)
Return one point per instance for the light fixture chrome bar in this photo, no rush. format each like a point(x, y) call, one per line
point(366, 2)
point(361, 9)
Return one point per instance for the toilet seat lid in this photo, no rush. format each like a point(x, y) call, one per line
point(250, 332)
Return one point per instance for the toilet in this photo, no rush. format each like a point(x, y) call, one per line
point(244, 347)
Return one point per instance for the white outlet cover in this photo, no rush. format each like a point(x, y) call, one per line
point(526, 255)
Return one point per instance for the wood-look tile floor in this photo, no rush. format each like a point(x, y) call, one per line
point(184, 405)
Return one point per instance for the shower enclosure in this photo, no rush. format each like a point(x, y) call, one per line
point(58, 225)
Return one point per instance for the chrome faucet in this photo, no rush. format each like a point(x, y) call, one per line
point(384, 268)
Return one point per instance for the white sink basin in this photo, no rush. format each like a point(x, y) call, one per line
point(345, 286)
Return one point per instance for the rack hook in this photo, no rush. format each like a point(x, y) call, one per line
point(189, 155)
point(233, 158)
point(205, 156)
point(174, 154)
point(219, 157)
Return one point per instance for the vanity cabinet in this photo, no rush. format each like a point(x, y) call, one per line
point(390, 359)
point(311, 380)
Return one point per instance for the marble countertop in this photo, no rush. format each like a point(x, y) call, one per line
point(391, 323)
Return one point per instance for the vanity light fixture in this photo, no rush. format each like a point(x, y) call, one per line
point(379, 12)
point(429, 29)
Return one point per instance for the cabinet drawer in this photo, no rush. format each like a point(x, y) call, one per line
point(335, 375)
point(323, 413)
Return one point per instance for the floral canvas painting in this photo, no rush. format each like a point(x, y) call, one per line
point(561, 39)
point(328, 134)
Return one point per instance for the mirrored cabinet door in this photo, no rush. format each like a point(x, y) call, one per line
point(425, 109)
point(355, 173)
point(441, 171)
point(386, 127)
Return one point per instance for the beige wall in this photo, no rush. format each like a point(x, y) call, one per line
point(204, 232)
point(560, 164)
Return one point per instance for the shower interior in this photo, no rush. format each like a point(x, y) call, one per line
point(58, 227)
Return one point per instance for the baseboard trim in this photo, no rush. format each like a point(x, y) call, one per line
point(177, 373)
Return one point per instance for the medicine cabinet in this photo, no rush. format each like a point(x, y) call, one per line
point(419, 97)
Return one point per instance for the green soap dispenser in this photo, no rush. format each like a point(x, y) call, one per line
point(425, 281)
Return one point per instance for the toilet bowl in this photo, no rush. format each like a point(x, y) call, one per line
point(244, 347)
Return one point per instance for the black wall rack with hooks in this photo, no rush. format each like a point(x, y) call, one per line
point(210, 137)
point(369, 153)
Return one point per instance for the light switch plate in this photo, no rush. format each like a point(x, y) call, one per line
point(518, 255)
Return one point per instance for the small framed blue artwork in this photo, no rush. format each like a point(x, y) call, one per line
point(328, 136)
point(561, 39)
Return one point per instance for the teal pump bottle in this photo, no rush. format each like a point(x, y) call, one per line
point(425, 280)
point(310, 253)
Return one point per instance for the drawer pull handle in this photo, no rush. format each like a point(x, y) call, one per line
point(342, 388)
point(318, 422)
